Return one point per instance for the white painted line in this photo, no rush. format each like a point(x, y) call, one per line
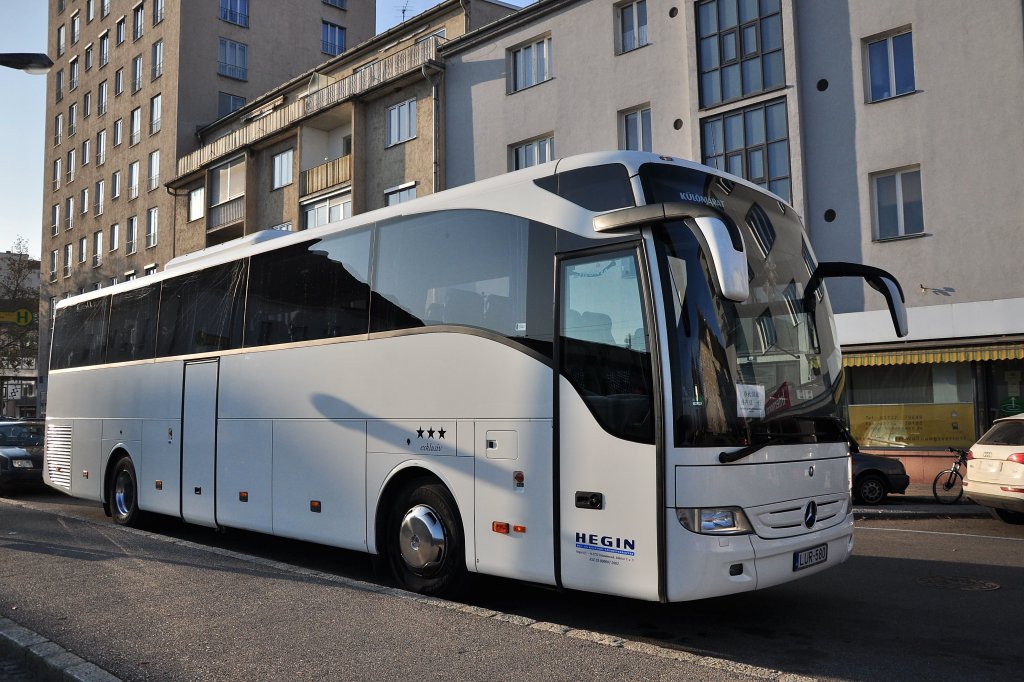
point(940, 532)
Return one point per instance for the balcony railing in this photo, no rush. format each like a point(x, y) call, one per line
point(331, 47)
point(233, 17)
point(158, 69)
point(97, 260)
point(387, 69)
point(154, 126)
point(227, 213)
point(154, 182)
point(69, 222)
point(97, 208)
point(326, 175)
point(240, 73)
point(133, 192)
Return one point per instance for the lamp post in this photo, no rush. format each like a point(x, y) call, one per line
point(29, 62)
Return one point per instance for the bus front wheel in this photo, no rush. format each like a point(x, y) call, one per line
point(425, 548)
point(123, 494)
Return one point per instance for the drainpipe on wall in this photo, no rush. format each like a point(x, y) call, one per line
point(433, 75)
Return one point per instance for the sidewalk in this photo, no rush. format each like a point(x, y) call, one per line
point(919, 503)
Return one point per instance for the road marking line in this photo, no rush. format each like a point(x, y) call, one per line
point(939, 532)
point(721, 664)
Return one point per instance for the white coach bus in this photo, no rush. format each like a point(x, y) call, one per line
point(615, 372)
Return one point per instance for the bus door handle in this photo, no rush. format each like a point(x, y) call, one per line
point(589, 500)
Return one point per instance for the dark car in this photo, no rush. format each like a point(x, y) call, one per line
point(21, 454)
point(874, 477)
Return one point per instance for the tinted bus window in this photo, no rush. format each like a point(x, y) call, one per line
point(314, 290)
point(80, 334)
point(467, 268)
point(132, 331)
point(201, 312)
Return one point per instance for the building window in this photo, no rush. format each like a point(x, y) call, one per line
point(632, 25)
point(61, 46)
point(90, 10)
point(196, 204)
point(69, 213)
point(58, 86)
point(401, 122)
point(227, 182)
point(58, 129)
point(104, 7)
point(97, 248)
point(233, 60)
point(635, 129)
point(138, 21)
point(131, 235)
point(54, 220)
point(752, 143)
point(158, 59)
point(72, 119)
point(115, 184)
point(101, 147)
point(84, 201)
point(154, 169)
point(118, 126)
point(227, 103)
point(740, 49)
point(119, 81)
point(104, 48)
point(54, 261)
point(76, 28)
point(135, 127)
point(71, 165)
point(87, 105)
point(101, 98)
point(283, 168)
point(133, 180)
point(88, 56)
point(530, 64)
point(158, 11)
point(533, 152)
point(235, 12)
point(119, 30)
point(73, 79)
point(154, 114)
point(340, 4)
point(69, 254)
point(890, 66)
point(99, 196)
point(149, 269)
point(327, 211)
point(899, 211)
point(115, 238)
point(86, 148)
point(151, 227)
point(400, 194)
point(136, 74)
point(332, 38)
point(83, 249)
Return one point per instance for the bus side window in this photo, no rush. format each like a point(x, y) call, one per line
point(80, 334)
point(314, 290)
point(202, 311)
point(131, 334)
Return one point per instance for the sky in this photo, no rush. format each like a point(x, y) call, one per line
point(22, 120)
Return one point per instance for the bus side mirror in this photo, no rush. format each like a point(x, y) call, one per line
point(880, 281)
point(723, 249)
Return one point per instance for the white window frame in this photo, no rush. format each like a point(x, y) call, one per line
point(196, 203)
point(401, 122)
point(131, 236)
point(538, 147)
point(152, 226)
point(891, 59)
point(283, 164)
point(115, 237)
point(400, 194)
point(626, 118)
point(525, 68)
point(901, 228)
point(635, 12)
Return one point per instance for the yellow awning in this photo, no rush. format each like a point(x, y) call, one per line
point(917, 356)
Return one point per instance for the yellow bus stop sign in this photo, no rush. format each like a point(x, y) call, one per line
point(22, 317)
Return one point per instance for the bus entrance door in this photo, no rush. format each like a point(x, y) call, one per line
point(199, 441)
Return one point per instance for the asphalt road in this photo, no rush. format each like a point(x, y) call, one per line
point(923, 599)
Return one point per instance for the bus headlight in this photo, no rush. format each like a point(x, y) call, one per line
point(715, 521)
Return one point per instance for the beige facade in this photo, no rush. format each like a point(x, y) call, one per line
point(357, 131)
point(139, 78)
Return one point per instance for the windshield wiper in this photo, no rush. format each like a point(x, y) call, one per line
point(735, 456)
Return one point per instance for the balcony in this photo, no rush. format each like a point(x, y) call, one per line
point(326, 175)
point(387, 69)
point(225, 214)
point(239, 73)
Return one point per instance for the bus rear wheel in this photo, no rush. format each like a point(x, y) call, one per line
point(424, 544)
point(123, 494)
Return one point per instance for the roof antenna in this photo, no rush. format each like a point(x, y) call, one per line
point(405, 8)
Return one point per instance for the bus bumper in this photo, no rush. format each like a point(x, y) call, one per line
point(701, 566)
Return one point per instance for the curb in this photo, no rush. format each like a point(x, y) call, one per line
point(47, 660)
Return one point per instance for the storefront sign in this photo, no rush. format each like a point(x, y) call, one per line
point(936, 425)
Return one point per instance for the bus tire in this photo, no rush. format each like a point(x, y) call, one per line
point(424, 543)
point(123, 494)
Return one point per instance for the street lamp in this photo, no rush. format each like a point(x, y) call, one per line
point(29, 62)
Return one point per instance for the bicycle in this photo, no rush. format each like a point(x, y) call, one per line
point(948, 486)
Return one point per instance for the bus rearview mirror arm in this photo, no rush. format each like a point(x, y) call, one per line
point(879, 279)
point(721, 243)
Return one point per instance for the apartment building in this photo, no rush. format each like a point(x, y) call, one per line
point(877, 121)
point(360, 131)
point(132, 82)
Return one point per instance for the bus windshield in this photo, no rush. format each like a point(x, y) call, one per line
point(763, 371)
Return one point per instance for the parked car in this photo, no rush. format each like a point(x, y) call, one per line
point(21, 454)
point(875, 477)
point(995, 470)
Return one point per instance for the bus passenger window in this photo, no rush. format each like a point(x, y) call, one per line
point(80, 334)
point(131, 334)
point(201, 312)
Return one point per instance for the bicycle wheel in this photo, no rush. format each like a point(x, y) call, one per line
point(948, 487)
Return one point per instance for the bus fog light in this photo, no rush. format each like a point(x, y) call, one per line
point(715, 521)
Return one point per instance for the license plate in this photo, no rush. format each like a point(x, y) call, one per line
point(22, 463)
point(810, 557)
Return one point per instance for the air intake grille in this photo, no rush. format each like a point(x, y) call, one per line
point(58, 455)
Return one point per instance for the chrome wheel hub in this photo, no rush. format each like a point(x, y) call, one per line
point(124, 494)
point(421, 539)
